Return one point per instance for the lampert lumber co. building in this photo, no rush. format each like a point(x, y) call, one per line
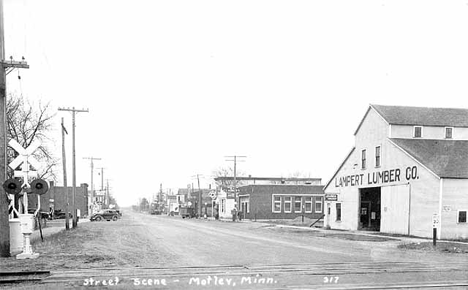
point(407, 173)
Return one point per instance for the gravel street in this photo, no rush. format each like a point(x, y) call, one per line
point(146, 251)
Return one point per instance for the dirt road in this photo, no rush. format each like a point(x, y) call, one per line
point(172, 253)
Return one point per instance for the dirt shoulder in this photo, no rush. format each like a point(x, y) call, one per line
point(92, 245)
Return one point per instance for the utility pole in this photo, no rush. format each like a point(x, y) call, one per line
point(92, 185)
point(235, 159)
point(199, 207)
point(73, 111)
point(107, 193)
point(6, 68)
point(102, 177)
point(102, 185)
point(65, 186)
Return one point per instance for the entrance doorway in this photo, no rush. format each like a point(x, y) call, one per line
point(369, 210)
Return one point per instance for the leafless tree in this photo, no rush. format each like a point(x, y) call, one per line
point(26, 123)
point(228, 173)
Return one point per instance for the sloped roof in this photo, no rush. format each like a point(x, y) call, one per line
point(445, 117)
point(446, 158)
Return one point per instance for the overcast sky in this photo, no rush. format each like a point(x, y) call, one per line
point(174, 86)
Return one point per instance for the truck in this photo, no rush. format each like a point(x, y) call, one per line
point(187, 212)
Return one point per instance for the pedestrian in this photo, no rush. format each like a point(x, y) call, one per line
point(234, 214)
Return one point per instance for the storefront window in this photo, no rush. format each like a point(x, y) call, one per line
point(318, 205)
point(276, 203)
point(287, 204)
point(308, 204)
point(297, 204)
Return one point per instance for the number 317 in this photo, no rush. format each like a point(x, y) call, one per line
point(329, 280)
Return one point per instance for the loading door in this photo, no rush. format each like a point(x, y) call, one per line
point(396, 209)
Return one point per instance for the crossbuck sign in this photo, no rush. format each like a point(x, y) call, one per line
point(25, 159)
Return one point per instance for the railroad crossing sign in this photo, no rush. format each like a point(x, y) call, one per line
point(25, 159)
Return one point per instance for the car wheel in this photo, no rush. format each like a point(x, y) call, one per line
point(98, 219)
point(114, 218)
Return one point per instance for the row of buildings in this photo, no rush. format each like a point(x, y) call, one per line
point(407, 174)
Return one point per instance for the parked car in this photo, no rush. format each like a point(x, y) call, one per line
point(105, 215)
point(59, 214)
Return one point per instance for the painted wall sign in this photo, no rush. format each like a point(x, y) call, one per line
point(378, 177)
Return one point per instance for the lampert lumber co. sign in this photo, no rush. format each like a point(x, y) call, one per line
point(378, 177)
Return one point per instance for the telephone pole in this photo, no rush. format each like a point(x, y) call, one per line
point(92, 184)
point(65, 186)
point(235, 159)
point(5, 68)
point(73, 111)
point(199, 207)
point(102, 193)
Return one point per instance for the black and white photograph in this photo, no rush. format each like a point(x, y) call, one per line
point(216, 144)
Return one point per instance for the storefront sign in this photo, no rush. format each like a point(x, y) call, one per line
point(331, 197)
point(379, 177)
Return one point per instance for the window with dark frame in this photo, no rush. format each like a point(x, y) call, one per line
point(448, 132)
point(363, 159)
point(338, 212)
point(377, 156)
point(462, 216)
point(417, 132)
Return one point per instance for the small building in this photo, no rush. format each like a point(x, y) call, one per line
point(224, 204)
point(281, 201)
point(56, 199)
point(407, 174)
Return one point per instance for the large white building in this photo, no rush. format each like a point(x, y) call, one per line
point(407, 174)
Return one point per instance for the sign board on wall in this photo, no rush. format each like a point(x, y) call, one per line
point(331, 197)
point(378, 177)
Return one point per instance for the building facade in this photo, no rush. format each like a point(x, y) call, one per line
point(407, 174)
point(55, 198)
point(278, 201)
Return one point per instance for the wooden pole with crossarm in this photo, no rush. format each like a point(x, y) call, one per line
point(73, 111)
point(5, 68)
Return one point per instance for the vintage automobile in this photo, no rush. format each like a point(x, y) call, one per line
point(107, 214)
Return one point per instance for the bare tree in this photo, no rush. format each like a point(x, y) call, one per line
point(225, 176)
point(26, 123)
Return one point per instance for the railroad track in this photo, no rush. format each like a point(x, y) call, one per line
point(304, 275)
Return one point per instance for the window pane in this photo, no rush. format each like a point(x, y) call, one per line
point(308, 206)
point(448, 132)
point(417, 131)
point(462, 216)
point(338, 211)
point(363, 159)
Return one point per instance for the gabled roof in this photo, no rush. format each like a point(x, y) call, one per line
point(446, 158)
point(339, 168)
point(444, 117)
